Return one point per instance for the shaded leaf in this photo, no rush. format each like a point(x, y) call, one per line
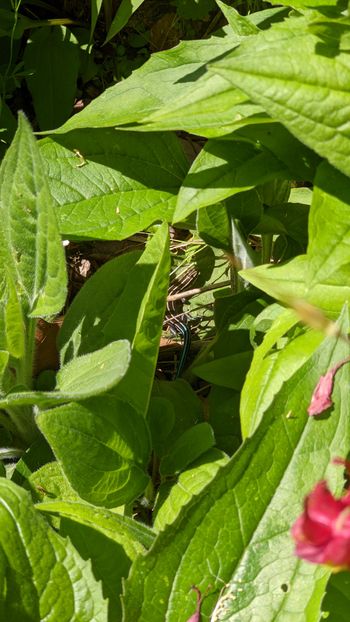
point(52, 56)
point(124, 12)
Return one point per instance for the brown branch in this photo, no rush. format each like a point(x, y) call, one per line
point(197, 290)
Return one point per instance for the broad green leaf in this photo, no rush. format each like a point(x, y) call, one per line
point(223, 416)
point(96, 372)
point(80, 378)
point(214, 227)
point(109, 540)
point(124, 12)
point(237, 531)
point(184, 405)
point(124, 183)
point(133, 536)
point(102, 446)
point(82, 329)
point(31, 245)
point(336, 602)
point(274, 362)
point(52, 56)
point(302, 4)
point(222, 169)
point(329, 246)
point(301, 81)
point(138, 316)
point(227, 371)
point(189, 446)
point(301, 161)
point(49, 482)
point(109, 562)
point(46, 579)
point(239, 24)
point(161, 421)
point(189, 483)
point(166, 77)
point(288, 282)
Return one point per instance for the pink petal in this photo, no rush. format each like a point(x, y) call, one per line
point(320, 505)
point(321, 397)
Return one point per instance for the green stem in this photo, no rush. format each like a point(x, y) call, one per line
point(266, 240)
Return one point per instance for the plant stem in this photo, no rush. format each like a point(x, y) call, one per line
point(266, 252)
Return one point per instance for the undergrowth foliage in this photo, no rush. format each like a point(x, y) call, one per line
point(127, 495)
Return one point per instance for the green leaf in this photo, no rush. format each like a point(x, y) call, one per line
point(237, 531)
point(223, 407)
point(49, 482)
point(336, 602)
point(166, 77)
point(274, 362)
point(133, 536)
point(329, 235)
point(124, 183)
point(188, 447)
point(190, 482)
point(184, 405)
point(287, 70)
point(12, 328)
point(138, 316)
point(94, 373)
point(239, 24)
point(102, 446)
point(109, 540)
point(31, 245)
point(301, 161)
point(46, 579)
point(124, 12)
point(223, 169)
point(52, 57)
point(213, 226)
point(288, 282)
point(95, 11)
point(83, 328)
point(81, 378)
point(227, 371)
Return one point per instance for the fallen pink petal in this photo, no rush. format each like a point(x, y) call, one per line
point(322, 532)
point(322, 395)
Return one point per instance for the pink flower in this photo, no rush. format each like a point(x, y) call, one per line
point(322, 532)
point(322, 395)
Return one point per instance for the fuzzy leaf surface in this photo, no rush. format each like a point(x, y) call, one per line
point(46, 579)
point(95, 372)
point(237, 531)
point(102, 446)
point(30, 241)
